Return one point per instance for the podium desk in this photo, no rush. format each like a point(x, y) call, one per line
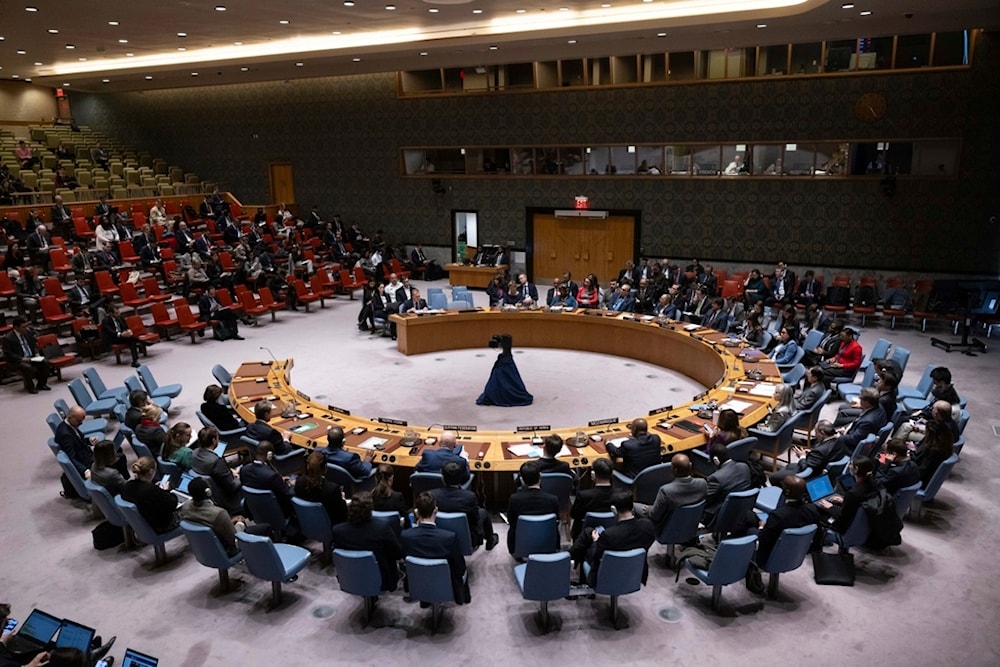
point(472, 276)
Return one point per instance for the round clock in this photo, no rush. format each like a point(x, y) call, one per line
point(870, 107)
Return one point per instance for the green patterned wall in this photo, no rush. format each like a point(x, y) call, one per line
point(343, 137)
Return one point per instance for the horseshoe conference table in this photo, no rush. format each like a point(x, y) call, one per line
point(732, 379)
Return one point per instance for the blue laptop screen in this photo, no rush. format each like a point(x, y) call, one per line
point(135, 659)
point(819, 488)
point(40, 626)
point(75, 635)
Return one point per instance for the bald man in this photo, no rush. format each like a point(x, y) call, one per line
point(795, 513)
point(433, 460)
point(683, 490)
point(349, 461)
point(640, 451)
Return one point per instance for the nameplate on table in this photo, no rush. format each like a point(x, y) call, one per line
point(701, 396)
point(302, 396)
point(342, 411)
point(459, 427)
point(533, 427)
point(602, 422)
point(665, 408)
point(394, 422)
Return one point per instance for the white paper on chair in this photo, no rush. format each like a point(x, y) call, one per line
point(765, 389)
point(736, 406)
point(372, 442)
point(524, 450)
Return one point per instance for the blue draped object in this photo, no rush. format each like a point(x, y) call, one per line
point(505, 387)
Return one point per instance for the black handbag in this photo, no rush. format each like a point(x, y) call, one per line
point(833, 569)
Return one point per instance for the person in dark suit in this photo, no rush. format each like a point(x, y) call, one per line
point(530, 500)
point(261, 474)
point(20, 350)
point(871, 419)
point(453, 498)
point(828, 345)
point(80, 297)
point(716, 317)
point(629, 532)
point(548, 462)
point(385, 499)
point(843, 509)
point(433, 460)
point(595, 499)
point(815, 386)
point(312, 486)
point(527, 293)
point(361, 533)
point(204, 461)
point(426, 540)
point(898, 471)
point(155, 503)
point(72, 443)
point(782, 285)
point(349, 461)
point(809, 291)
point(828, 450)
point(794, 513)
point(262, 431)
point(414, 303)
point(708, 281)
point(682, 490)
point(39, 244)
point(728, 477)
point(640, 451)
point(183, 237)
point(210, 309)
point(886, 384)
point(114, 331)
point(221, 415)
point(623, 302)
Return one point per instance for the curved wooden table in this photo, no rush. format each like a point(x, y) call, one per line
point(698, 354)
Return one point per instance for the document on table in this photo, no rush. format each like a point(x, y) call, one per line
point(525, 450)
point(736, 406)
point(765, 389)
point(373, 443)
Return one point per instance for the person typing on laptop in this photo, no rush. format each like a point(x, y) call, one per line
point(841, 510)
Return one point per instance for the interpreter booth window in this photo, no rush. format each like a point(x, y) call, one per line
point(622, 160)
point(445, 161)
point(832, 159)
point(882, 157)
point(736, 159)
point(547, 162)
point(806, 58)
point(650, 160)
point(680, 66)
point(414, 161)
point(841, 55)
point(573, 160)
point(874, 53)
point(772, 60)
point(523, 160)
point(935, 157)
point(597, 159)
point(768, 160)
point(799, 159)
point(489, 160)
point(913, 51)
point(951, 48)
point(678, 159)
point(706, 160)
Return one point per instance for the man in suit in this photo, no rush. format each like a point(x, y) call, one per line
point(682, 490)
point(595, 499)
point(414, 303)
point(828, 450)
point(716, 318)
point(20, 348)
point(815, 386)
point(39, 244)
point(640, 451)
point(59, 215)
point(871, 419)
point(548, 462)
point(433, 460)
point(349, 461)
point(114, 331)
point(184, 238)
point(816, 319)
point(527, 293)
point(210, 309)
point(794, 513)
point(808, 293)
point(205, 461)
point(782, 286)
point(80, 298)
point(898, 471)
point(530, 501)
point(261, 474)
point(72, 443)
point(426, 540)
point(623, 302)
point(708, 281)
point(262, 431)
point(728, 477)
point(629, 532)
point(828, 345)
point(645, 298)
point(420, 261)
point(102, 208)
point(361, 533)
point(453, 498)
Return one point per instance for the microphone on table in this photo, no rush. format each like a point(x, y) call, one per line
point(268, 350)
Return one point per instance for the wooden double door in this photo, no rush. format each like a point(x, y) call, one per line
point(581, 245)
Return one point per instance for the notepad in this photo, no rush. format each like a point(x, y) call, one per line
point(765, 389)
point(372, 443)
point(302, 428)
point(736, 405)
point(525, 450)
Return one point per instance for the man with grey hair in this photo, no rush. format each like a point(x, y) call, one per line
point(433, 460)
point(829, 449)
point(261, 430)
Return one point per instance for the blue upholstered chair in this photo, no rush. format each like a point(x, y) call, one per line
point(738, 450)
point(222, 376)
point(794, 374)
point(153, 388)
point(75, 478)
point(620, 573)
point(646, 483)
point(437, 300)
point(272, 562)
point(813, 339)
point(733, 511)
point(536, 534)
point(99, 388)
point(90, 405)
point(289, 463)
point(89, 427)
point(232, 435)
point(358, 574)
point(592, 520)
point(544, 578)
point(904, 498)
point(787, 555)
point(775, 443)
point(102, 499)
point(928, 493)
point(314, 523)
point(458, 523)
point(425, 481)
point(430, 582)
point(335, 473)
point(850, 390)
point(728, 566)
point(560, 485)
point(208, 551)
point(921, 390)
point(901, 356)
point(681, 526)
point(144, 532)
point(808, 418)
point(264, 508)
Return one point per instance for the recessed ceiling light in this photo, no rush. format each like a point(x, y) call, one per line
point(433, 10)
point(194, 74)
point(661, 34)
point(357, 60)
point(477, 11)
point(113, 23)
point(22, 52)
point(129, 54)
point(423, 53)
point(82, 60)
point(244, 69)
point(520, 11)
point(53, 31)
point(299, 64)
point(220, 8)
point(31, 9)
point(335, 32)
point(348, 3)
point(390, 8)
point(182, 34)
point(564, 9)
point(237, 43)
point(14, 76)
point(761, 25)
point(867, 12)
point(149, 78)
point(71, 46)
point(65, 85)
point(571, 41)
point(647, 0)
point(283, 21)
point(493, 47)
point(105, 80)
point(1, 39)
point(181, 48)
point(38, 64)
point(847, 5)
point(606, 5)
point(123, 41)
point(28, 79)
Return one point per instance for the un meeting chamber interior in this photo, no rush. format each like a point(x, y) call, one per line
point(475, 331)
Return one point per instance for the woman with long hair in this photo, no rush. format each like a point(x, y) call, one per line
point(155, 503)
point(785, 395)
point(313, 486)
point(384, 498)
point(175, 447)
point(103, 471)
point(589, 294)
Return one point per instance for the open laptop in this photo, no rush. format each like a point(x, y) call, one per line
point(74, 635)
point(135, 659)
point(35, 634)
point(819, 488)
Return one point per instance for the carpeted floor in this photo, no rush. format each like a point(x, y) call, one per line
point(932, 601)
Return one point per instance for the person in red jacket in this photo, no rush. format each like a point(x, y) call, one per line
point(848, 358)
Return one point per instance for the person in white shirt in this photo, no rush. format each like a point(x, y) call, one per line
point(106, 236)
point(736, 167)
point(158, 214)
